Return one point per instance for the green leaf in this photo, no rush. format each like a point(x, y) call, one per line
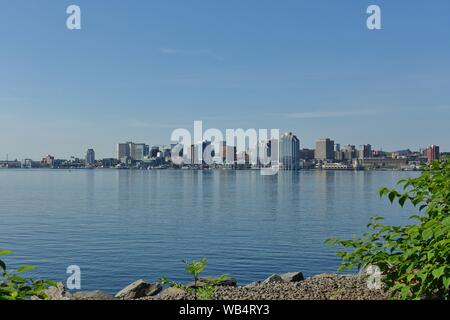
point(5, 252)
point(403, 199)
point(392, 196)
point(437, 273)
point(24, 269)
point(446, 282)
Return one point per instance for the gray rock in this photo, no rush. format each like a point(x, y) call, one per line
point(225, 282)
point(253, 284)
point(92, 295)
point(292, 277)
point(273, 278)
point(173, 293)
point(57, 292)
point(139, 289)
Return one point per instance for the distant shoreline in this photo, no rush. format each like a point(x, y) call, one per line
point(208, 169)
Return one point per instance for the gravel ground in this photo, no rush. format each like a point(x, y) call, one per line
point(321, 287)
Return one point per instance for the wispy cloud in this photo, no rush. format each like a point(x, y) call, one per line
point(330, 114)
point(198, 53)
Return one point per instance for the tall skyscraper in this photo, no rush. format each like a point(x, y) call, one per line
point(349, 152)
point(123, 150)
point(432, 153)
point(135, 151)
point(324, 149)
point(139, 151)
point(90, 157)
point(365, 152)
point(290, 152)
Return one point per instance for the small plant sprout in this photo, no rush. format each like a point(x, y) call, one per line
point(202, 290)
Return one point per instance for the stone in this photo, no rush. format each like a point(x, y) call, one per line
point(57, 292)
point(225, 282)
point(139, 289)
point(173, 293)
point(253, 284)
point(273, 278)
point(292, 277)
point(92, 295)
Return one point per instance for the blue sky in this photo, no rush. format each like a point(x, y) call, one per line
point(139, 69)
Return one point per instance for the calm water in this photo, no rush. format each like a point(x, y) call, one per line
point(119, 226)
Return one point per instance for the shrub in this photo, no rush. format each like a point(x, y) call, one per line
point(414, 259)
point(205, 291)
point(14, 286)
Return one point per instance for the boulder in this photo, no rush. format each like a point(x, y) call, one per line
point(253, 285)
point(173, 293)
point(139, 289)
point(292, 277)
point(57, 292)
point(92, 295)
point(225, 282)
point(273, 278)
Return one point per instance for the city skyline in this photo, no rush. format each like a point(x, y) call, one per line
point(139, 150)
point(136, 72)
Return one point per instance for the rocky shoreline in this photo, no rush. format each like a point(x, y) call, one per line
point(289, 286)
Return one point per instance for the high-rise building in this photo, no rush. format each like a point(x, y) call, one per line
point(432, 153)
point(134, 151)
point(90, 157)
point(263, 153)
point(365, 152)
point(349, 152)
point(154, 152)
point(290, 152)
point(307, 154)
point(139, 151)
point(123, 150)
point(324, 149)
point(197, 153)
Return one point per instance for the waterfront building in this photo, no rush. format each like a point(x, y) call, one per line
point(324, 149)
point(123, 150)
point(349, 152)
point(134, 151)
point(90, 157)
point(401, 154)
point(289, 152)
point(231, 156)
point(48, 161)
point(365, 152)
point(139, 151)
point(307, 154)
point(432, 153)
point(109, 162)
point(154, 152)
point(384, 163)
point(10, 164)
point(263, 153)
point(337, 166)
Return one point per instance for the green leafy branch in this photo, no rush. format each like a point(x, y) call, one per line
point(15, 286)
point(414, 259)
